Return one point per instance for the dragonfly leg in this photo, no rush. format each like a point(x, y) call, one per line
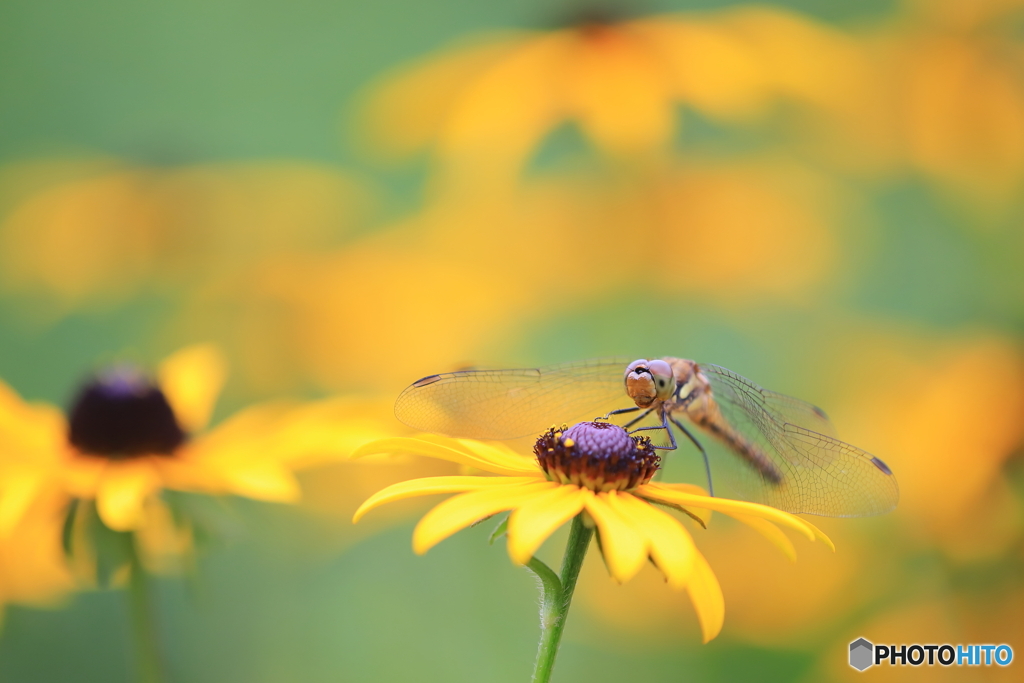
point(663, 425)
point(637, 419)
point(619, 412)
point(704, 454)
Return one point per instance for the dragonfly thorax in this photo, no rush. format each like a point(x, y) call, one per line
point(649, 381)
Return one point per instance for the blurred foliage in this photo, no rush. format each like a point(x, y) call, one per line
point(825, 197)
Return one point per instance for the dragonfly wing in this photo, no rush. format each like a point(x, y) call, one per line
point(837, 479)
point(780, 407)
point(508, 404)
point(820, 474)
point(797, 412)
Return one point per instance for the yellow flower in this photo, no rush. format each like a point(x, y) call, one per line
point(126, 439)
point(592, 468)
point(341, 318)
point(746, 231)
point(960, 94)
point(923, 419)
point(33, 569)
point(943, 97)
point(74, 232)
point(490, 103)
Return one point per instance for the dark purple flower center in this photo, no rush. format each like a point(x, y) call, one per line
point(597, 455)
point(121, 414)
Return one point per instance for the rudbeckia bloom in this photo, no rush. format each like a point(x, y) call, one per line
point(620, 81)
point(593, 469)
point(124, 228)
point(956, 84)
point(33, 570)
point(126, 438)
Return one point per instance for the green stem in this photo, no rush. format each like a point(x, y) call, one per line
point(147, 643)
point(551, 591)
point(555, 607)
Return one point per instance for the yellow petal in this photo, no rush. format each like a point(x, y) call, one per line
point(406, 111)
point(10, 402)
point(80, 475)
point(162, 543)
point(497, 453)
point(463, 510)
point(427, 486)
point(191, 379)
point(685, 488)
point(17, 494)
point(122, 490)
point(820, 535)
point(618, 91)
point(707, 599)
point(703, 514)
point(36, 432)
point(509, 106)
point(625, 548)
point(670, 545)
point(769, 531)
point(262, 481)
point(713, 70)
point(531, 523)
point(727, 506)
point(446, 452)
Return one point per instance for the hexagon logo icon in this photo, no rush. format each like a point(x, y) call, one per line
point(862, 654)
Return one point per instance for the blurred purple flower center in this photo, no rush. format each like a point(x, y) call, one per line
point(121, 414)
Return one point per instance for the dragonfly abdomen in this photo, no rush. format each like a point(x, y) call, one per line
point(695, 398)
point(743, 447)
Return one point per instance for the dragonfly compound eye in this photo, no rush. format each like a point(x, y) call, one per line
point(664, 378)
point(640, 383)
point(637, 367)
point(597, 455)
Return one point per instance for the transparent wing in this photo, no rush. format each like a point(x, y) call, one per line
point(508, 404)
point(794, 411)
point(820, 474)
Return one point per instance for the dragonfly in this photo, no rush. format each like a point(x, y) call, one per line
point(762, 446)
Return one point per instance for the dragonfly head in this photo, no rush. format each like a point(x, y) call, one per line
point(649, 381)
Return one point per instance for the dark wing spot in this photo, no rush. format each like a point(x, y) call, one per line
point(820, 413)
point(429, 379)
point(881, 465)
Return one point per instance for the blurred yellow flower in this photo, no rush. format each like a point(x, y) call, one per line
point(961, 93)
point(342, 319)
point(566, 479)
point(33, 569)
point(472, 277)
point(739, 231)
point(987, 613)
point(73, 232)
point(485, 106)
point(945, 98)
point(127, 438)
point(315, 439)
point(949, 413)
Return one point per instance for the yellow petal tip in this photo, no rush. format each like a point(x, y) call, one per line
point(518, 560)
